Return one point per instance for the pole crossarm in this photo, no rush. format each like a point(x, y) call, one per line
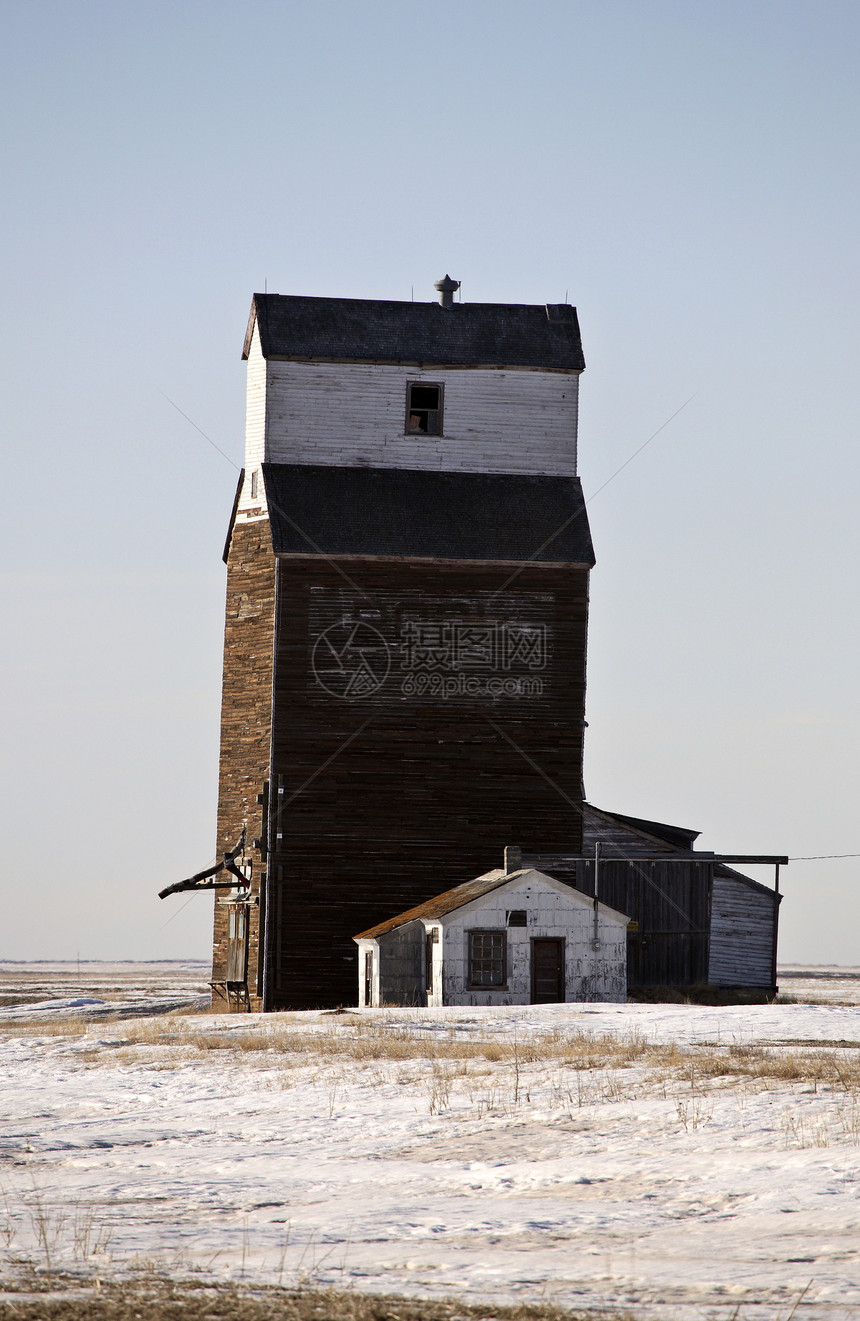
point(514, 857)
point(203, 880)
point(540, 860)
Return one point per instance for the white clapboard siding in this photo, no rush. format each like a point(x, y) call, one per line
point(351, 414)
point(255, 427)
point(742, 926)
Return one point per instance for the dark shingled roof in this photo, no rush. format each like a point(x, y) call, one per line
point(679, 836)
point(318, 509)
point(373, 330)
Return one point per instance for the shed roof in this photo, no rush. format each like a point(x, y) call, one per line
point(446, 902)
point(322, 509)
point(378, 330)
point(678, 836)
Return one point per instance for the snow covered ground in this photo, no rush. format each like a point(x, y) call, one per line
point(100, 989)
point(467, 1152)
point(820, 984)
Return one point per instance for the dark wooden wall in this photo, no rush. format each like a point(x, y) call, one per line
point(693, 924)
point(246, 723)
point(381, 801)
point(670, 904)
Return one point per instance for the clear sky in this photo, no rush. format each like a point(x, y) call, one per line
point(684, 172)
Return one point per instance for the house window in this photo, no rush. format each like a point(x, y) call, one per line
point(255, 484)
point(487, 959)
point(518, 917)
point(368, 979)
point(423, 409)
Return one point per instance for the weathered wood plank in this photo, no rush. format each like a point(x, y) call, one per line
point(246, 721)
point(427, 795)
point(354, 413)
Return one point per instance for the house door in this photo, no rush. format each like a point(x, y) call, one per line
point(237, 944)
point(547, 972)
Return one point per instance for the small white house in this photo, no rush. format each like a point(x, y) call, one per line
point(506, 938)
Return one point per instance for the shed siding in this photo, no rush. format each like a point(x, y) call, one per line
point(742, 934)
point(401, 966)
point(589, 974)
point(350, 414)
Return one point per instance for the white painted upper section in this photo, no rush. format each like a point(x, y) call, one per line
point(354, 414)
point(252, 505)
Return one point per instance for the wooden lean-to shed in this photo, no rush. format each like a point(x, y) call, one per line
point(696, 923)
point(505, 938)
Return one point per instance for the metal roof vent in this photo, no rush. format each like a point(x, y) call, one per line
point(447, 288)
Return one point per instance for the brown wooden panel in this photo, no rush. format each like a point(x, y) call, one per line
point(395, 791)
point(547, 971)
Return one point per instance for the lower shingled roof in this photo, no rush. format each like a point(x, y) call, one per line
point(320, 509)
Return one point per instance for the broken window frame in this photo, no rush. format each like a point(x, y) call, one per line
point(432, 416)
point(487, 960)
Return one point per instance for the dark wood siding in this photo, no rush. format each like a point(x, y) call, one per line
point(246, 723)
point(382, 800)
point(670, 904)
point(693, 924)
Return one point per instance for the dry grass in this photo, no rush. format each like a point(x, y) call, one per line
point(823, 1066)
point(73, 1026)
point(834, 1065)
point(286, 1042)
point(151, 1296)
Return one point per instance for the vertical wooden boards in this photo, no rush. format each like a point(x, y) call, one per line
point(669, 902)
point(425, 715)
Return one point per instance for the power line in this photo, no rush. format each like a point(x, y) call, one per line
point(824, 857)
point(202, 432)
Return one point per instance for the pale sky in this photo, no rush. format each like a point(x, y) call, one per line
point(684, 172)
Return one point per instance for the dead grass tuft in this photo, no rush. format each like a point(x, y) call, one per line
point(823, 1067)
point(149, 1296)
point(73, 1026)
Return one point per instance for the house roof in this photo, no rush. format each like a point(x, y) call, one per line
point(450, 900)
point(322, 509)
point(446, 902)
point(377, 330)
